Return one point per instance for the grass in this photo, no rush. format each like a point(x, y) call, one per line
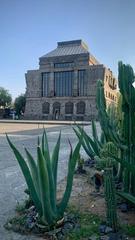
point(89, 225)
point(129, 230)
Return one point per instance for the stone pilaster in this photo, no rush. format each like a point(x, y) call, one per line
point(51, 84)
point(75, 84)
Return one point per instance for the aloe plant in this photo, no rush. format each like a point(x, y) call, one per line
point(124, 139)
point(91, 145)
point(41, 178)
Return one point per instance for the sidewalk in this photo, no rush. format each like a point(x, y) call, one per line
point(8, 126)
point(54, 122)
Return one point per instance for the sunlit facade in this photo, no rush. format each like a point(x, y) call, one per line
point(64, 86)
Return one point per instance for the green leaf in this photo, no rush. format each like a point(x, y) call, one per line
point(54, 160)
point(45, 146)
point(89, 142)
point(33, 170)
point(27, 176)
point(127, 196)
point(124, 163)
point(71, 169)
point(85, 145)
point(98, 144)
point(94, 131)
point(46, 154)
point(44, 188)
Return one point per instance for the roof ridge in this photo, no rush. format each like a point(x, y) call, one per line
point(64, 50)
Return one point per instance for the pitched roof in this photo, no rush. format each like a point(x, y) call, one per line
point(68, 48)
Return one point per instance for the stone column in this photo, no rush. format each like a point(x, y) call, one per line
point(87, 108)
point(51, 111)
point(86, 78)
point(74, 110)
point(75, 84)
point(62, 110)
point(51, 84)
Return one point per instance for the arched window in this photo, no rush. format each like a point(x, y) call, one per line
point(56, 106)
point(81, 107)
point(69, 108)
point(56, 110)
point(45, 108)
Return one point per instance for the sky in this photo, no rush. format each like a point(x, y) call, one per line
point(31, 28)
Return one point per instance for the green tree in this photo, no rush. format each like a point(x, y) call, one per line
point(5, 98)
point(19, 104)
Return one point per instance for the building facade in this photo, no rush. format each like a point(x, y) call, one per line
point(64, 86)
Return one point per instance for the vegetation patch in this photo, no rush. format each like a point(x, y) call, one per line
point(76, 224)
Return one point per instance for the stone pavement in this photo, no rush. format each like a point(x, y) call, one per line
point(12, 183)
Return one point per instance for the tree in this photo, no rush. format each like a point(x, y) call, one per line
point(5, 98)
point(20, 104)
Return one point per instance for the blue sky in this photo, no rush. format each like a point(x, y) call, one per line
point(31, 28)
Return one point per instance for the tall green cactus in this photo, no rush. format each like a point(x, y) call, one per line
point(110, 198)
point(107, 163)
point(41, 179)
point(125, 138)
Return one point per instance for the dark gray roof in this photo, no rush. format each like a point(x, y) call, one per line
point(68, 48)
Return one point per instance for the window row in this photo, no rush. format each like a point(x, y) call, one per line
point(111, 96)
point(111, 82)
point(64, 65)
point(69, 108)
point(63, 83)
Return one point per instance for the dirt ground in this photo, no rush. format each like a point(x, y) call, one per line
point(17, 127)
point(86, 199)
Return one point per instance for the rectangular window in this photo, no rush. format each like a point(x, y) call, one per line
point(81, 82)
point(45, 84)
point(63, 82)
point(64, 65)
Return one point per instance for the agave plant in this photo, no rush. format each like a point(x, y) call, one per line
point(91, 145)
point(41, 178)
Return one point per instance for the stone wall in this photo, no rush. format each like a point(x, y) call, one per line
point(93, 72)
point(34, 108)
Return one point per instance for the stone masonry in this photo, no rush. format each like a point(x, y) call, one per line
point(50, 96)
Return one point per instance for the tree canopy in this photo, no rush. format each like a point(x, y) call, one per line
point(19, 104)
point(5, 97)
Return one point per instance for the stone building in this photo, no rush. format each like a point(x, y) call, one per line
point(64, 86)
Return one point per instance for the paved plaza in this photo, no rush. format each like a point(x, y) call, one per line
point(12, 183)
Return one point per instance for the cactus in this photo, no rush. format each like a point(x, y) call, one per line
point(41, 179)
point(109, 185)
point(110, 198)
point(124, 138)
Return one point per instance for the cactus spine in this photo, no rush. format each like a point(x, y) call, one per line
point(125, 138)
